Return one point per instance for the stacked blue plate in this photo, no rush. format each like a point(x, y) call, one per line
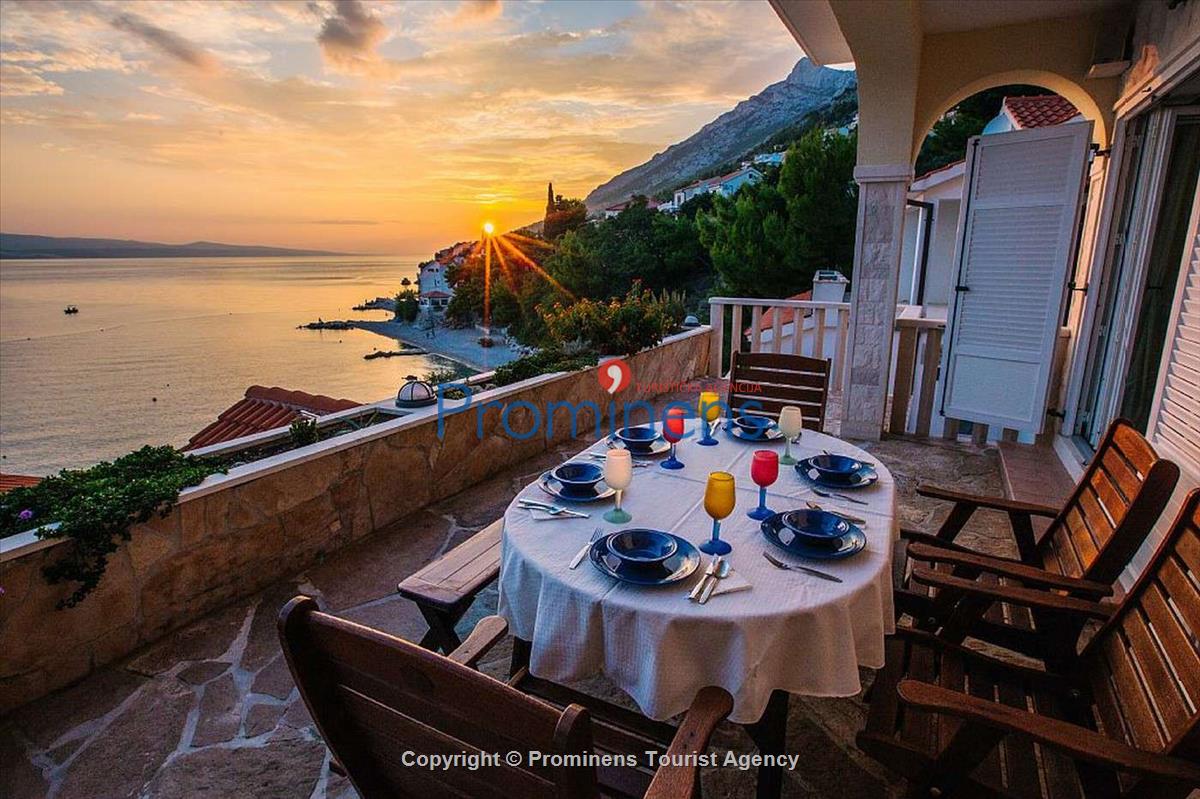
point(645, 557)
point(814, 534)
point(837, 471)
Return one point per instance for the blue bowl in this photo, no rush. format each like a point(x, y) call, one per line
point(578, 479)
point(816, 526)
point(753, 426)
point(637, 439)
point(642, 547)
point(836, 465)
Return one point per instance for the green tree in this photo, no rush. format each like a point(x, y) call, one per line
point(568, 214)
point(769, 239)
point(408, 306)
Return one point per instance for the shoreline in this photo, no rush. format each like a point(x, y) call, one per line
point(458, 345)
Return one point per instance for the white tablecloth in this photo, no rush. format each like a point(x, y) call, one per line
point(790, 631)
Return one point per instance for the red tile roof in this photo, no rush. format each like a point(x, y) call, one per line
point(435, 294)
point(767, 320)
point(265, 409)
point(10, 481)
point(942, 168)
point(1040, 111)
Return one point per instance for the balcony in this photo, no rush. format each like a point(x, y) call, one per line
point(186, 691)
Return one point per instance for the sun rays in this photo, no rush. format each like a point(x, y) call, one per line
point(505, 250)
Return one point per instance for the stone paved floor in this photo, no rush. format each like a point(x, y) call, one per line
point(211, 711)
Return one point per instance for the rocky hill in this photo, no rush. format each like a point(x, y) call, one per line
point(808, 89)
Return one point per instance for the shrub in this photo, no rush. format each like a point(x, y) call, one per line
point(543, 362)
point(408, 306)
point(303, 432)
point(95, 508)
point(619, 327)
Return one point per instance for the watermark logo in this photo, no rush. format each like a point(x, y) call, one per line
point(614, 375)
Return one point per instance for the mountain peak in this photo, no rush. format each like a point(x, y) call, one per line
point(806, 89)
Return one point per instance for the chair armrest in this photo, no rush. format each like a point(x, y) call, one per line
point(487, 633)
point(929, 538)
point(1079, 742)
point(1029, 575)
point(995, 503)
point(1027, 597)
point(709, 708)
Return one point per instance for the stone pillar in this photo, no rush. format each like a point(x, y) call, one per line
point(878, 241)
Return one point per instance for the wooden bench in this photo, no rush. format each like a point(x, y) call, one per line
point(445, 588)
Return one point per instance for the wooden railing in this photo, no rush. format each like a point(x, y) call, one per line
point(823, 333)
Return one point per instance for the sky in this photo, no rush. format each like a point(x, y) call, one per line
point(382, 127)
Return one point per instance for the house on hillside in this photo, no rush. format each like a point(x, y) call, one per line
point(433, 290)
point(770, 159)
point(724, 185)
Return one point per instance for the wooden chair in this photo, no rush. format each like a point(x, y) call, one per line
point(767, 382)
point(444, 589)
point(1122, 719)
point(1089, 542)
point(375, 698)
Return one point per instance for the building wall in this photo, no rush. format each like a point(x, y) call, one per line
point(218, 546)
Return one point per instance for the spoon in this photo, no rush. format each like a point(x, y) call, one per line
point(722, 573)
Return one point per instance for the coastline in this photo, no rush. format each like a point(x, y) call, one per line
point(458, 345)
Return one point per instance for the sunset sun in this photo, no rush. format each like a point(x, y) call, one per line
point(489, 228)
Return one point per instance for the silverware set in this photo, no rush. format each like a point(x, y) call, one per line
point(553, 510)
point(718, 569)
point(583, 551)
point(779, 564)
point(600, 456)
point(836, 495)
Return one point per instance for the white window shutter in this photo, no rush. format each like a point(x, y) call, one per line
point(1175, 417)
point(1016, 244)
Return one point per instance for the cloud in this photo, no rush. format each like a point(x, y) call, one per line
point(471, 12)
point(349, 38)
point(167, 42)
point(19, 81)
point(343, 222)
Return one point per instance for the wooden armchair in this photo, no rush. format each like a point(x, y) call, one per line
point(767, 382)
point(1089, 542)
point(1122, 719)
point(378, 701)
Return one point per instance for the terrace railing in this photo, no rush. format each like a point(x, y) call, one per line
point(821, 330)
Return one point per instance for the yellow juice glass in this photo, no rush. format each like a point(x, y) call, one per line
point(719, 499)
point(709, 411)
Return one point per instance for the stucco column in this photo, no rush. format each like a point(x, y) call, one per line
point(878, 242)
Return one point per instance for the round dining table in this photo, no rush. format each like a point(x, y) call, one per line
point(788, 631)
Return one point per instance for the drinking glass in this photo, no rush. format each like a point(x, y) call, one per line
point(618, 474)
point(791, 422)
point(673, 432)
point(719, 500)
point(764, 470)
point(710, 411)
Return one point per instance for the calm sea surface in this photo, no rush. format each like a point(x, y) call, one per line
point(161, 346)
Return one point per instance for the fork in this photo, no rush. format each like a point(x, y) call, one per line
point(582, 553)
point(788, 567)
point(835, 495)
point(553, 510)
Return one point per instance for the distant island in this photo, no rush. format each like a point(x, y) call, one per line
point(17, 245)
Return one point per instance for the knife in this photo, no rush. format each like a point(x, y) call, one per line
point(721, 573)
point(581, 554)
point(708, 573)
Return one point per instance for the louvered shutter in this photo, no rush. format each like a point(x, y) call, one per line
point(1016, 243)
point(1175, 418)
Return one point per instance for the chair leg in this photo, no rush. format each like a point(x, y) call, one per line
point(441, 633)
point(520, 655)
point(769, 733)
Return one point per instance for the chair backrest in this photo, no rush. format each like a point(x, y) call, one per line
point(1113, 508)
point(767, 382)
point(375, 697)
point(1143, 665)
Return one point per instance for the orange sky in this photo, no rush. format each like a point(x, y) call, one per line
point(358, 126)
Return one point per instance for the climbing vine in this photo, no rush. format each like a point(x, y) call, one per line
point(96, 507)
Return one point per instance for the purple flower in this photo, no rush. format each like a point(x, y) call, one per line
point(25, 515)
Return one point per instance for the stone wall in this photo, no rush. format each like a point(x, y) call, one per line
point(217, 545)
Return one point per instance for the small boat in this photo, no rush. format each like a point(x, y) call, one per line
point(70, 309)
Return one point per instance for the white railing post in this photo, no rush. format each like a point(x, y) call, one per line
point(716, 320)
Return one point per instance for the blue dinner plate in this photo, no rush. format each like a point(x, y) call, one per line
point(861, 479)
point(780, 535)
point(675, 568)
point(818, 526)
point(659, 446)
point(773, 433)
point(555, 489)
